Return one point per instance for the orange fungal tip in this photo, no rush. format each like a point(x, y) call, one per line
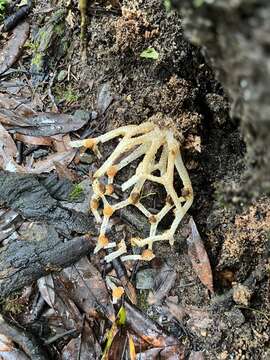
point(103, 240)
point(89, 143)
point(108, 210)
point(94, 204)
point(134, 197)
point(147, 255)
point(152, 219)
point(101, 188)
point(109, 189)
point(112, 171)
point(117, 292)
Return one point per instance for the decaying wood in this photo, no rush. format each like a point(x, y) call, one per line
point(22, 262)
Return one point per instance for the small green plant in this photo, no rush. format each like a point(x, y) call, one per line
point(198, 3)
point(150, 53)
point(167, 5)
point(71, 95)
point(76, 192)
point(3, 5)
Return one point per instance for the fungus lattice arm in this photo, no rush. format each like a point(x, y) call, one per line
point(144, 141)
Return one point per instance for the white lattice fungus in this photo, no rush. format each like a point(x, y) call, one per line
point(137, 141)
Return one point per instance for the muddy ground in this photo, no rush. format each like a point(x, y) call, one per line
point(211, 78)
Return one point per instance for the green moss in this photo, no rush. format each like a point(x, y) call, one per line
point(70, 95)
point(37, 60)
point(3, 5)
point(142, 300)
point(13, 304)
point(76, 192)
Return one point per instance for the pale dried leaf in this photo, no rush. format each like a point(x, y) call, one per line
point(34, 140)
point(12, 49)
point(46, 288)
point(48, 164)
point(8, 151)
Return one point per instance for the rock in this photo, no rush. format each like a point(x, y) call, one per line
point(145, 279)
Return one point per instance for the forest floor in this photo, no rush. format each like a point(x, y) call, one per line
point(208, 295)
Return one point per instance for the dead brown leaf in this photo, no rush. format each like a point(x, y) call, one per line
point(10, 220)
point(167, 353)
point(12, 49)
point(65, 173)
point(147, 329)
point(84, 347)
point(10, 104)
point(119, 345)
point(34, 140)
point(63, 308)
point(39, 123)
point(46, 288)
point(199, 258)
point(89, 290)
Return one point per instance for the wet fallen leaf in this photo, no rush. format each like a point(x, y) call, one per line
point(8, 148)
point(61, 143)
point(167, 353)
point(147, 329)
point(163, 283)
point(89, 291)
point(41, 124)
point(84, 347)
point(48, 164)
point(118, 345)
point(12, 50)
point(199, 258)
point(104, 98)
point(68, 315)
point(21, 105)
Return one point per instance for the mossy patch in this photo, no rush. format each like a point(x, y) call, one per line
point(76, 193)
